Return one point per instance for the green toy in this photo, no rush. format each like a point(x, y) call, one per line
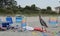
point(55, 32)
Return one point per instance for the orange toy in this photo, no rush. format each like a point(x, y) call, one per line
point(23, 21)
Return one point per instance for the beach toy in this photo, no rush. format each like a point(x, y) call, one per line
point(34, 33)
point(29, 28)
point(14, 30)
point(16, 27)
point(23, 24)
point(55, 33)
point(19, 30)
point(44, 31)
point(52, 33)
point(24, 28)
point(43, 34)
point(49, 31)
point(9, 19)
point(23, 21)
point(38, 29)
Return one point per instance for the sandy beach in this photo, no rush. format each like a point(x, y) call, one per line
point(33, 22)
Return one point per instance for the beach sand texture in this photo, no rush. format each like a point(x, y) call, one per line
point(31, 21)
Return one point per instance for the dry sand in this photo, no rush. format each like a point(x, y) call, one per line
point(33, 22)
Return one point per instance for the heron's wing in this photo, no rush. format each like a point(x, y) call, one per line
point(43, 23)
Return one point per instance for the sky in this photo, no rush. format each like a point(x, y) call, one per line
point(39, 3)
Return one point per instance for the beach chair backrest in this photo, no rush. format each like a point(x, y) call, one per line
point(53, 21)
point(9, 19)
point(18, 19)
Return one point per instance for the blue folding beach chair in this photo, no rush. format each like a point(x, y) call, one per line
point(19, 19)
point(9, 19)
